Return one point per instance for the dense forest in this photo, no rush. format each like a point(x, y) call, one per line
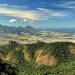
point(39, 58)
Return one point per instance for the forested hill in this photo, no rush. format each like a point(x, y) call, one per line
point(41, 58)
point(17, 30)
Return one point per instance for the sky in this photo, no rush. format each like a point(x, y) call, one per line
point(38, 13)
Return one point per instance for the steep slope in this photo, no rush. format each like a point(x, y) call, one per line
point(41, 53)
point(41, 58)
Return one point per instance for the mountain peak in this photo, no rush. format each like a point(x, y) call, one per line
point(29, 27)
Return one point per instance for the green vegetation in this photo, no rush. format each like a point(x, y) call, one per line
point(41, 58)
point(7, 69)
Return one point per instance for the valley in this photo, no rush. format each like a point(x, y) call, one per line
point(38, 52)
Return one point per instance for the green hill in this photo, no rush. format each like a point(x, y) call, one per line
point(41, 58)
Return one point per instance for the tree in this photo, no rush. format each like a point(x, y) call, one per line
point(7, 69)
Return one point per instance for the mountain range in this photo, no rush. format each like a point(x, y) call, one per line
point(17, 30)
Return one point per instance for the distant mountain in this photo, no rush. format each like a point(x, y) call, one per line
point(17, 30)
point(29, 29)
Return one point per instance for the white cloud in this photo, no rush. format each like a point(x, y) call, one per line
point(25, 20)
point(51, 13)
point(24, 14)
point(42, 9)
point(68, 4)
point(3, 5)
point(38, 14)
point(58, 14)
point(12, 20)
point(14, 6)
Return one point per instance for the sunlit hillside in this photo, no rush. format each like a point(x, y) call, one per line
point(40, 58)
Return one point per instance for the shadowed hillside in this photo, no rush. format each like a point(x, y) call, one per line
point(7, 69)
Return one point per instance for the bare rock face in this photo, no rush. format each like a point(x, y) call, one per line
point(45, 59)
point(26, 53)
point(14, 43)
point(10, 58)
point(72, 49)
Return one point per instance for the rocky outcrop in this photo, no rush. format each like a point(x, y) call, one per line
point(45, 59)
point(72, 49)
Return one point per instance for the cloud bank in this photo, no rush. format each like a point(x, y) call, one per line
point(19, 13)
point(37, 14)
point(68, 4)
point(51, 13)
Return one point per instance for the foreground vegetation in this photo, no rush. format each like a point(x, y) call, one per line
point(40, 58)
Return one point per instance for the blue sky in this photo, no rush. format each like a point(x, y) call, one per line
point(38, 13)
